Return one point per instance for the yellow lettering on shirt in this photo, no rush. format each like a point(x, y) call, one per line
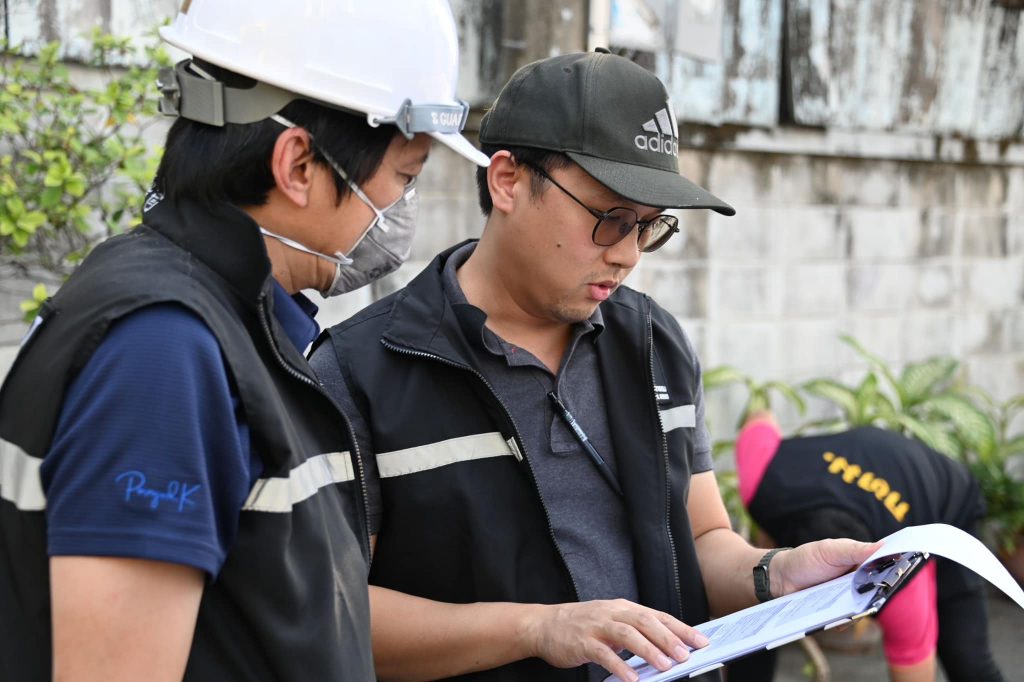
point(851, 473)
point(868, 482)
point(838, 464)
point(897, 508)
point(880, 488)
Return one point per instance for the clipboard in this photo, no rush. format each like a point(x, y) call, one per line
point(864, 592)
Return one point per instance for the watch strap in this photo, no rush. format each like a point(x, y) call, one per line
point(762, 578)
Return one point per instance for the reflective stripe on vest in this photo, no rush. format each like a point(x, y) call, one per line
point(19, 478)
point(281, 494)
point(445, 452)
point(684, 416)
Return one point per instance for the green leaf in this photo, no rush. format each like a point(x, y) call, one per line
point(875, 361)
point(866, 396)
point(721, 376)
point(931, 435)
point(758, 402)
point(835, 392)
point(50, 197)
point(1012, 406)
point(921, 378)
point(31, 155)
point(54, 176)
point(9, 125)
point(30, 307)
point(827, 425)
point(75, 185)
point(789, 393)
point(976, 429)
point(1014, 447)
point(15, 207)
point(31, 221)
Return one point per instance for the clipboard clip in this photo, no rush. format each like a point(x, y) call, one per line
point(886, 573)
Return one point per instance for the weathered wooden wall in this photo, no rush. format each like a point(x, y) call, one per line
point(497, 37)
point(31, 22)
point(744, 87)
point(933, 67)
point(945, 67)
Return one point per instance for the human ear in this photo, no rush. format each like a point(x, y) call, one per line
point(502, 176)
point(292, 165)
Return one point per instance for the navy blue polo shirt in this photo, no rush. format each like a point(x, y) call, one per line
point(151, 458)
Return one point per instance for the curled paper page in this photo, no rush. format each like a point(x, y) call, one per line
point(955, 545)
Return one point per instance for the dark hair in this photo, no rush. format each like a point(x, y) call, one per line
point(819, 524)
point(211, 164)
point(544, 158)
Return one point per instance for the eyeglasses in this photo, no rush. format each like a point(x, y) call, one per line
point(617, 223)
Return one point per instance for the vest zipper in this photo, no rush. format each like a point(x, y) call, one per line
point(518, 440)
point(319, 387)
point(668, 470)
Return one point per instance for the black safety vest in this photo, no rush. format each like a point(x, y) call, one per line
point(290, 602)
point(884, 479)
point(463, 520)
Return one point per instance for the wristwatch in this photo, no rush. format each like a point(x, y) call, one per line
point(762, 579)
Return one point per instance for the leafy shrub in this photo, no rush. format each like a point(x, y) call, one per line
point(73, 162)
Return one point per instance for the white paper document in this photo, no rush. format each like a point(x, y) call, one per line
point(862, 592)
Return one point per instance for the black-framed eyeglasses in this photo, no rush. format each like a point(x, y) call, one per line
point(617, 223)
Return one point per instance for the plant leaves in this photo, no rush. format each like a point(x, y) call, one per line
point(31, 221)
point(50, 197)
point(931, 435)
point(922, 378)
point(721, 376)
point(875, 361)
point(975, 429)
point(15, 207)
point(834, 392)
point(1014, 447)
point(827, 425)
point(789, 393)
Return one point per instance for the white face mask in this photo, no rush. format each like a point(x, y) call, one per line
point(381, 249)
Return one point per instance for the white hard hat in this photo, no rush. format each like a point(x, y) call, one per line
point(397, 61)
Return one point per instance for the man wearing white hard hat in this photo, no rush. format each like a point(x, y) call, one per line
point(178, 496)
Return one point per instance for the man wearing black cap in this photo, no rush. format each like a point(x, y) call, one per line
point(543, 494)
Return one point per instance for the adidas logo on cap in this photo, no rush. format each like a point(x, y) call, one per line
point(665, 138)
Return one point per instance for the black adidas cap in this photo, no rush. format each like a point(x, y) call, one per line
point(610, 116)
